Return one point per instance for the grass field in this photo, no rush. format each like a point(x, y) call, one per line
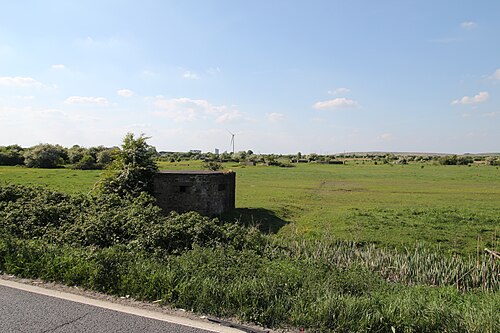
point(455, 207)
point(64, 180)
point(306, 275)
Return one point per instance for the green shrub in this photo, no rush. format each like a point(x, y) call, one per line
point(45, 156)
point(133, 168)
point(107, 220)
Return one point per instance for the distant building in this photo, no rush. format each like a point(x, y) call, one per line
point(206, 192)
point(216, 151)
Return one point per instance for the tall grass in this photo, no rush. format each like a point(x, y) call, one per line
point(125, 246)
point(419, 265)
point(274, 292)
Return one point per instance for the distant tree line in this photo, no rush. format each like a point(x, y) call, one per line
point(100, 157)
point(46, 155)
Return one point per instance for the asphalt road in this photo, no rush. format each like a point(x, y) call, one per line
point(24, 311)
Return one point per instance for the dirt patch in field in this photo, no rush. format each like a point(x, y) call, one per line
point(339, 186)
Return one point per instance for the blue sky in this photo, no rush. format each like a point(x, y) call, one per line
point(284, 76)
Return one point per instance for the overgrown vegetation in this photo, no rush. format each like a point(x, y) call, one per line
point(117, 241)
point(133, 168)
point(124, 246)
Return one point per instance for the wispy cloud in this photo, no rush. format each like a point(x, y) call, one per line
point(339, 91)
point(479, 98)
point(213, 70)
point(491, 114)
point(496, 75)
point(385, 137)
point(468, 25)
point(58, 66)
point(187, 109)
point(18, 81)
point(275, 117)
point(89, 42)
point(334, 104)
point(86, 100)
point(228, 116)
point(125, 93)
point(149, 73)
point(190, 75)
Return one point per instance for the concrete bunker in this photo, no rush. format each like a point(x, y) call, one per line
point(206, 192)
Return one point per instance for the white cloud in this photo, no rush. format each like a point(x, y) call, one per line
point(149, 74)
point(213, 71)
point(385, 137)
point(18, 81)
point(274, 116)
point(190, 75)
point(25, 98)
point(479, 98)
point(339, 91)
point(228, 116)
point(58, 66)
point(187, 109)
point(496, 75)
point(337, 103)
point(468, 25)
point(86, 100)
point(491, 114)
point(125, 92)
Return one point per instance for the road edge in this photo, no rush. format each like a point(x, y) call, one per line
point(208, 326)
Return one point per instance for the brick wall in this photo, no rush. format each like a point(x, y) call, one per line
point(206, 192)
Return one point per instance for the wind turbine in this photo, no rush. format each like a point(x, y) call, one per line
point(232, 140)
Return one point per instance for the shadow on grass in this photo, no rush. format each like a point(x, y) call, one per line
point(265, 219)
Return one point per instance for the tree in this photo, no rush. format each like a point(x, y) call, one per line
point(76, 153)
point(104, 158)
point(45, 156)
point(312, 157)
point(11, 155)
point(87, 162)
point(133, 169)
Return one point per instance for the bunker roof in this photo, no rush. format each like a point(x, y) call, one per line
point(194, 172)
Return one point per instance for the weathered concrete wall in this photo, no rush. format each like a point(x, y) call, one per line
point(206, 192)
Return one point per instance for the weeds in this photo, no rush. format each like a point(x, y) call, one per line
point(124, 246)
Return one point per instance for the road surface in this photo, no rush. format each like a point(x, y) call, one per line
point(26, 308)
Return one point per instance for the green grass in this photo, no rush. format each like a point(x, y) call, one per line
point(454, 207)
point(278, 292)
point(64, 179)
point(125, 246)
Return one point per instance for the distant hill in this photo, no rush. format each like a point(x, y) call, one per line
point(402, 153)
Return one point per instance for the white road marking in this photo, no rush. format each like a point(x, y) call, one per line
point(120, 308)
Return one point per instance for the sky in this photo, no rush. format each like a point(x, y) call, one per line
point(282, 76)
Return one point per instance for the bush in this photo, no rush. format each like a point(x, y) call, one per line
point(105, 221)
point(11, 155)
point(212, 166)
point(87, 162)
point(133, 169)
point(45, 156)
point(182, 232)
